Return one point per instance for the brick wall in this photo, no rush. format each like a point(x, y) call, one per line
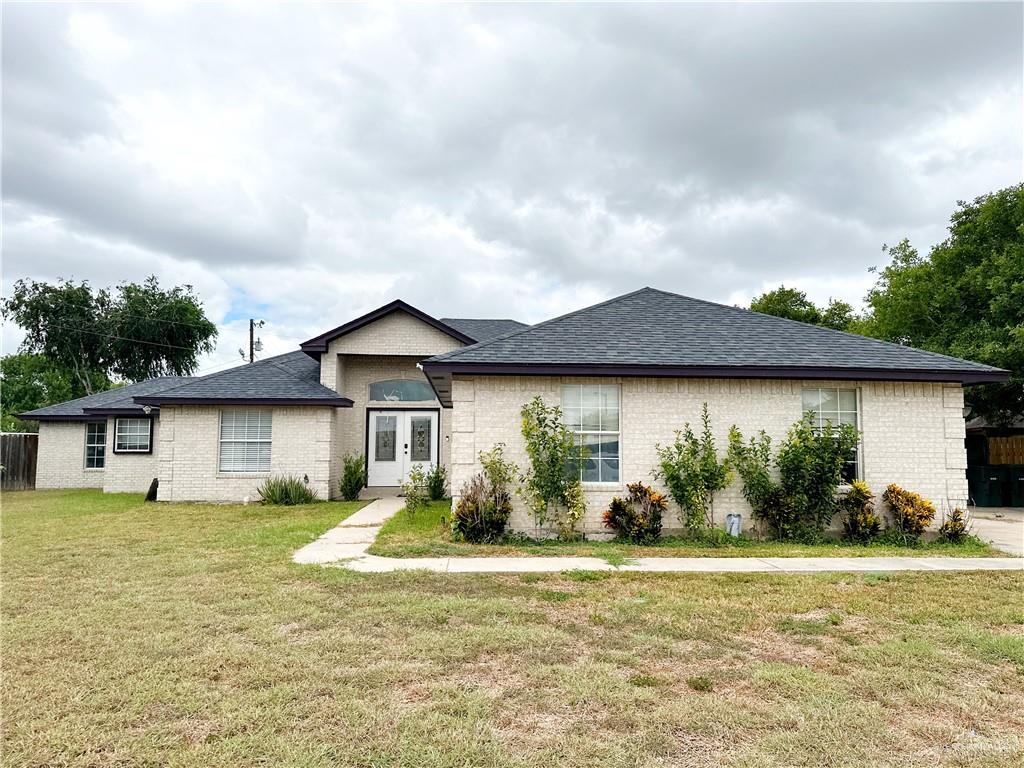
point(61, 461)
point(913, 433)
point(130, 472)
point(189, 453)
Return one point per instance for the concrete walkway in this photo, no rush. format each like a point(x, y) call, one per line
point(346, 545)
point(1003, 527)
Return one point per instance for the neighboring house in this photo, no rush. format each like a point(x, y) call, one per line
point(627, 373)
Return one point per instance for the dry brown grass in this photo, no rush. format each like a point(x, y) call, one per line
point(183, 635)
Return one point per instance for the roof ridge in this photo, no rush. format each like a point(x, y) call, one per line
point(510, 334)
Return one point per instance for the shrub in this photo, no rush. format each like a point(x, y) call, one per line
point(810, 462)
point(551, 483)
point(955, 527)
point(286, 490)
point(415, 491)
point(693, 474)
point(911, 513)
point(637, 518)
point(353, 476)
point(485, 501)
point(862, 523)
point(437, 482)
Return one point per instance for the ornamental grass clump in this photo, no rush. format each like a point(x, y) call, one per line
point(485, 501)
point(692, 473)
point(286, 490)
point(911, 513)
point(862, 524)
point(955, 528)
point(637, 518)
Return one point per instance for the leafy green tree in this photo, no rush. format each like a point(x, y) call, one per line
point(134, 332)
point(551, 483)
point(966, 298)
point(32, 381)
point(793, 304)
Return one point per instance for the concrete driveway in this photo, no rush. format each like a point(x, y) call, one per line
point(1003, 526)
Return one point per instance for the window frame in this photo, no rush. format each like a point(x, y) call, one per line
point(858, 462)
point(149, 441)
point(601, 432)
point(94, 445)
point(221, 440)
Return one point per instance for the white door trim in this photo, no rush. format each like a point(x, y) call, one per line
point(392, 473)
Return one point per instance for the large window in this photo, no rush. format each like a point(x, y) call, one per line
point(835, 406)
point(95, 444)
point(401, 390)
point(133, 435)
point(592, 412)
point(245, 441)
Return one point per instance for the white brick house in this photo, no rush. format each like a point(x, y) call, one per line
point(403, 388)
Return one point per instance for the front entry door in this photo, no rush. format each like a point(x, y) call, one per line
point(399, 441)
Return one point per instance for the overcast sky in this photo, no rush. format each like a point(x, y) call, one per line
point(305, 164)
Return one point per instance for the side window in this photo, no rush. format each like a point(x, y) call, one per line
point(592, 412)
point(836, 406)
point(133, 435)
point(95, 445)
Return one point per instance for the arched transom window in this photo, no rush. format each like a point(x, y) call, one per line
point(401, 391)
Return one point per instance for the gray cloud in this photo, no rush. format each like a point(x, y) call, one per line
point(309, 163)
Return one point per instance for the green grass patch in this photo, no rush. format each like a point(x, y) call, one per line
point(182, 634)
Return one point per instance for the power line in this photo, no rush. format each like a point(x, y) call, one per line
point(122, 338)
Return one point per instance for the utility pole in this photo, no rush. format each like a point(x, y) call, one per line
point(255, 345)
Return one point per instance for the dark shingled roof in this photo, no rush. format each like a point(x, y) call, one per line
point(289, 379)
point(483, 329)
point(656, 333)
point(112, 401)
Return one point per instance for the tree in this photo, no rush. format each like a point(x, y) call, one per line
point(793, 304)
point(966, 298)
point(32, 381)
point(134, 332)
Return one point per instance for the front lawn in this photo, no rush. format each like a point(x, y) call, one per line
point(183, 635)
point(427, 534)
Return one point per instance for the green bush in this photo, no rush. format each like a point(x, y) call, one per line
point(801, 504)
point(862, 523)
point(955, 528)
point(637, 518)
point(551, 483)
point(485, 501)
point(415, 491)
point(353, 476)
point(437, 482)
point(286, 490)
point(701, 684)
point(693, 474)
point(911, 514)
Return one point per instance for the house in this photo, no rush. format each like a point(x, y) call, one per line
point(404, 388)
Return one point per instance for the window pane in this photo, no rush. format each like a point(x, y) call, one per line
point(384, 438)
point(591, 419)
point(571, 396)
point(847, 399)
point(811, 400)
point(573, 418)
point(591, 473)
point(420, 441)
point(610, 396)
point(610, 420)
point(848, 418)
point(592, 395)
point(829, 400)
point(609, 470)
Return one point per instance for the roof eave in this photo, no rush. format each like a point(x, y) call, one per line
point(58, 417)
point(966, 377)
point(334, 402)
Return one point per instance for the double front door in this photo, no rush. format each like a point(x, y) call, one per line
point(397, 441)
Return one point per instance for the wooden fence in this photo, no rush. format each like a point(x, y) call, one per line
point(18, 453)
point(1006, 450)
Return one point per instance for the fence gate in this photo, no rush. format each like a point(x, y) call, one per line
point(18, 452)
